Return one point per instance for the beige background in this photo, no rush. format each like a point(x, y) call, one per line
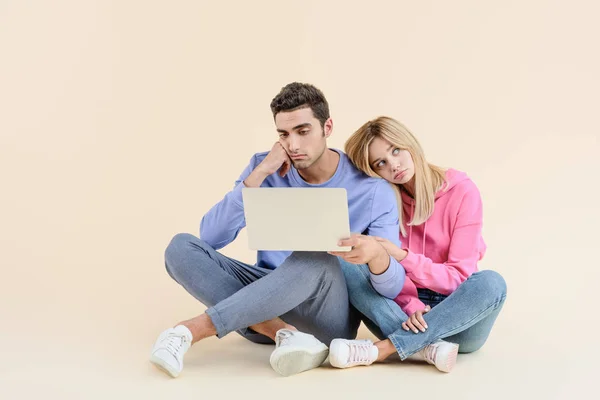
point(122, 122)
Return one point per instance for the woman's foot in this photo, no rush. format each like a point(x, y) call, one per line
point(345, 353)
point(351, 353)
point(441, 354)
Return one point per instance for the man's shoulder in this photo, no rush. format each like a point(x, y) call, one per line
point(359, 176)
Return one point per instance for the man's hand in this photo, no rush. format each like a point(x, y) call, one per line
point(416, 322)
point(277, 159)
point(365, 250)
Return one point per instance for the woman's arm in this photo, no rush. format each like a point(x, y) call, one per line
point(463, 254)
point(408, 298)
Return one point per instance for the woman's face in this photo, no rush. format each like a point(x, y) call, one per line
point(391, 163)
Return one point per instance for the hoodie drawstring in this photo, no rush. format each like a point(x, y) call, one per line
point(424, 233)
point(412, 211)
point(412, 207)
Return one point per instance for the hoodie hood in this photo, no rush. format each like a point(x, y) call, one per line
point(453, 178)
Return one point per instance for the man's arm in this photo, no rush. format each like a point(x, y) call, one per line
point(393, 281)
point(385, 223)
point(387, 275)
point(224, 221)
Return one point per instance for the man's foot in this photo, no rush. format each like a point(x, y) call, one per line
point(441, 354)
point(296, 352)
point(350, 353)
point(168, 351)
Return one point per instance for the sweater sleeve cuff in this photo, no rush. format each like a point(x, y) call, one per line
point(387, 275)
point(390, 282)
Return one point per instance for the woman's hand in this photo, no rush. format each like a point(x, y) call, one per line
point(393, 250)
point(416, 322)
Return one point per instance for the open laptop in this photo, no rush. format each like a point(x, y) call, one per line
point(296, 219)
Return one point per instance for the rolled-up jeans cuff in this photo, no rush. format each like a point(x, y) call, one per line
point(399, 349)
point(217, 322)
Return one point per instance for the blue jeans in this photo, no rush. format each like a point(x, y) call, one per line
point(464, 317)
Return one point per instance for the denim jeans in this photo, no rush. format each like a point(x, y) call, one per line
point(308, 291)
point(464, 317)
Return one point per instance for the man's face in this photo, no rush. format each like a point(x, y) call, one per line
point(302, 137)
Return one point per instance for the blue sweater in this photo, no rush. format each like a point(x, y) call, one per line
point(372, 207)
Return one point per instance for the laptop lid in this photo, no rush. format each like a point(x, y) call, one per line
point(296, 219)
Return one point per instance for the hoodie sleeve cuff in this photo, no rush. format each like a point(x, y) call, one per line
point(411, 260)
point(413, 305)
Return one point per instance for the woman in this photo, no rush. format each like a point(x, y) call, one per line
point(443, 296)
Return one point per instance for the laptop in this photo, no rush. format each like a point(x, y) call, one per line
point(296, 219)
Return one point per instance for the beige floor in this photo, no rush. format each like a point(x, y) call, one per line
point(122, 123)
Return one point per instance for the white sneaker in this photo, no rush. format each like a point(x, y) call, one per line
point(350, 353)
point(169, 349)
point(296, 352)
point(441, 354)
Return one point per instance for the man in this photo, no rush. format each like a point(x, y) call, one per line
point(298, 300)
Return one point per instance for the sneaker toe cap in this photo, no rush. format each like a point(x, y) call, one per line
point(338, 353)
point(166, 360)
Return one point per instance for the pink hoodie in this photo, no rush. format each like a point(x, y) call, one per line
point(443, 251)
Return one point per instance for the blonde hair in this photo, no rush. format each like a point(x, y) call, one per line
point(429, 178)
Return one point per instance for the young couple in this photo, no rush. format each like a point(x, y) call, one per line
point(411, 275)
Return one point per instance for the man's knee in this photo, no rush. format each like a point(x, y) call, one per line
point(178, 250)
point(317, 263)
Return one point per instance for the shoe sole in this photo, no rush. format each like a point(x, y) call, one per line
point(293, 361)
point(163, 367)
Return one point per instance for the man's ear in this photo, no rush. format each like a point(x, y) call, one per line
point(328, 127)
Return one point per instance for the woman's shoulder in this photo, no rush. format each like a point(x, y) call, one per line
point(459, 183)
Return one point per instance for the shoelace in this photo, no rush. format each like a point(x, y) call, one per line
point(359, 352)
point(430, 352)
point(174, 342)
point(283, 337)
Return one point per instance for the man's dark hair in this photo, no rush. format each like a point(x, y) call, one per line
point(296, 96)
